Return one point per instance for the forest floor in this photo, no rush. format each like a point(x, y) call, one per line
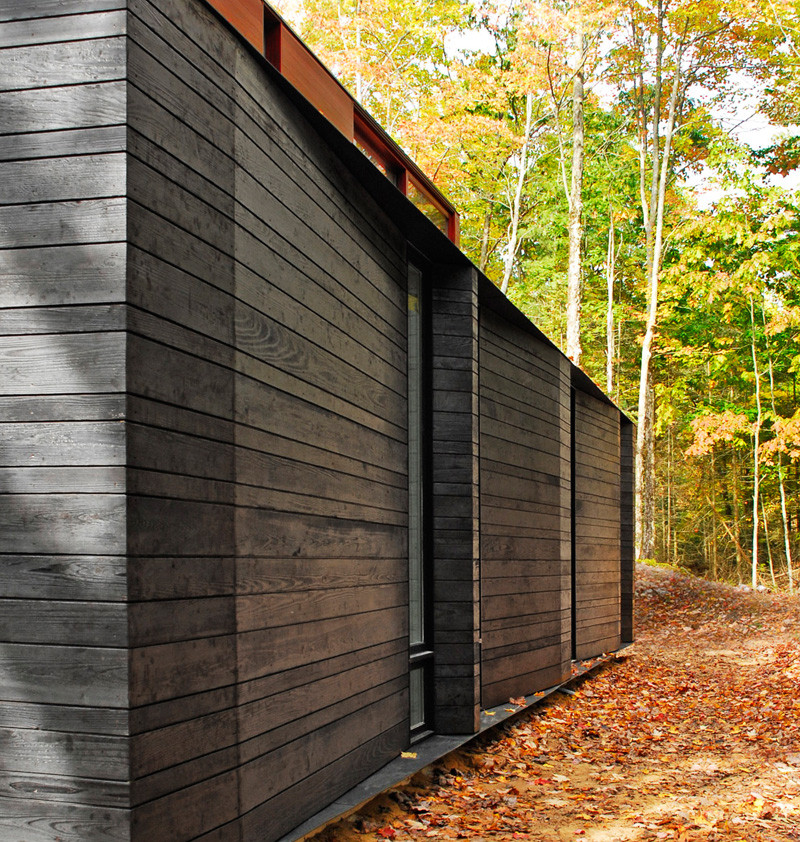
point(691, 734)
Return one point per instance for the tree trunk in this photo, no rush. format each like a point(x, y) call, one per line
point(645, 482)
point(359, 78)
point(513, 235)
point(737, 518)
point(756, 437)
point(769, 546)
point(649, 486)
point(610, 267)
point(785, 521)
point(667, 540)
point(714, 542)
point(487, 227)
point(576, 206)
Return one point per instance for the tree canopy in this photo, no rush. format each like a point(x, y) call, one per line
point(683, 239)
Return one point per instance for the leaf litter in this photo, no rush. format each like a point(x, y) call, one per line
point(691, 734)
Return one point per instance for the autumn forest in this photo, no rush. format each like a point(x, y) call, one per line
point(624, 171)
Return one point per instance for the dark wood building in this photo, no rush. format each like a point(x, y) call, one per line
point(286, 482)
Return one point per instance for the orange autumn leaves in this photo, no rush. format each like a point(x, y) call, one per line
point(694, 736)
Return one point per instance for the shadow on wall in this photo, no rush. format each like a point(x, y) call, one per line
point(63, 622)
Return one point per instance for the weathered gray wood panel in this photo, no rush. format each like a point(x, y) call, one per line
point(63, 620)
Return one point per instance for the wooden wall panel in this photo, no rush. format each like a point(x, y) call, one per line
point(455, 502)
point(203, 449)
point(524, 512)
point(266, 447)
point(181, 483)
point(627, 549)
point(596, 427)
point(63, 614)
point(331, 355)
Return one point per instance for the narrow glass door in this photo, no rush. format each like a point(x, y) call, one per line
point(420, 652)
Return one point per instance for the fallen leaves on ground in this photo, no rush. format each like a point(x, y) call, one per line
point(693, 734)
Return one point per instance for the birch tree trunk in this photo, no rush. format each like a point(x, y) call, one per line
point(645, 479)
point(769, 546)
point(787, 539)
point(487, 224)
point(610, 269)
point(737, 516)
point(513, 235)
point(576, 205)
point(756, 436)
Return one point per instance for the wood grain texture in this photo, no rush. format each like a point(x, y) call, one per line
point(69, 524)
point(525, 525)
point(97, 756)
point(57, 320)
point(12, 10)
point(62, 675)
point(58, 363)
point(64, 718)
point(90, 140)
point(67, 623)
point(46, 30)
point(63, 275)
point(597, 526)
point(67, 789)
point(168, 670)
point(59, 179)
point(50, 821)
point(64, 770)
point(62, 577)
point(62, 63)
point(72, 107)
point(62, 223)
point(68, 443)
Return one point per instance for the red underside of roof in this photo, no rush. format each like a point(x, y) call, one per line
point(265, 30)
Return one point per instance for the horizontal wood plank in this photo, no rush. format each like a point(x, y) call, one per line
point(50, 30)
point(64, 675)
point(62, 63)
point(72, 107)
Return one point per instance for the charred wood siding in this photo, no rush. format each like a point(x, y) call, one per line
point(267, 449)
point(626, 537)
point(181, 462)
point(63, 617)
point(203, 447)
point(456, 503)
point(598, 564)
point(524, 512)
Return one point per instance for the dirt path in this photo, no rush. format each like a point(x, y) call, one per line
point(693, 735)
